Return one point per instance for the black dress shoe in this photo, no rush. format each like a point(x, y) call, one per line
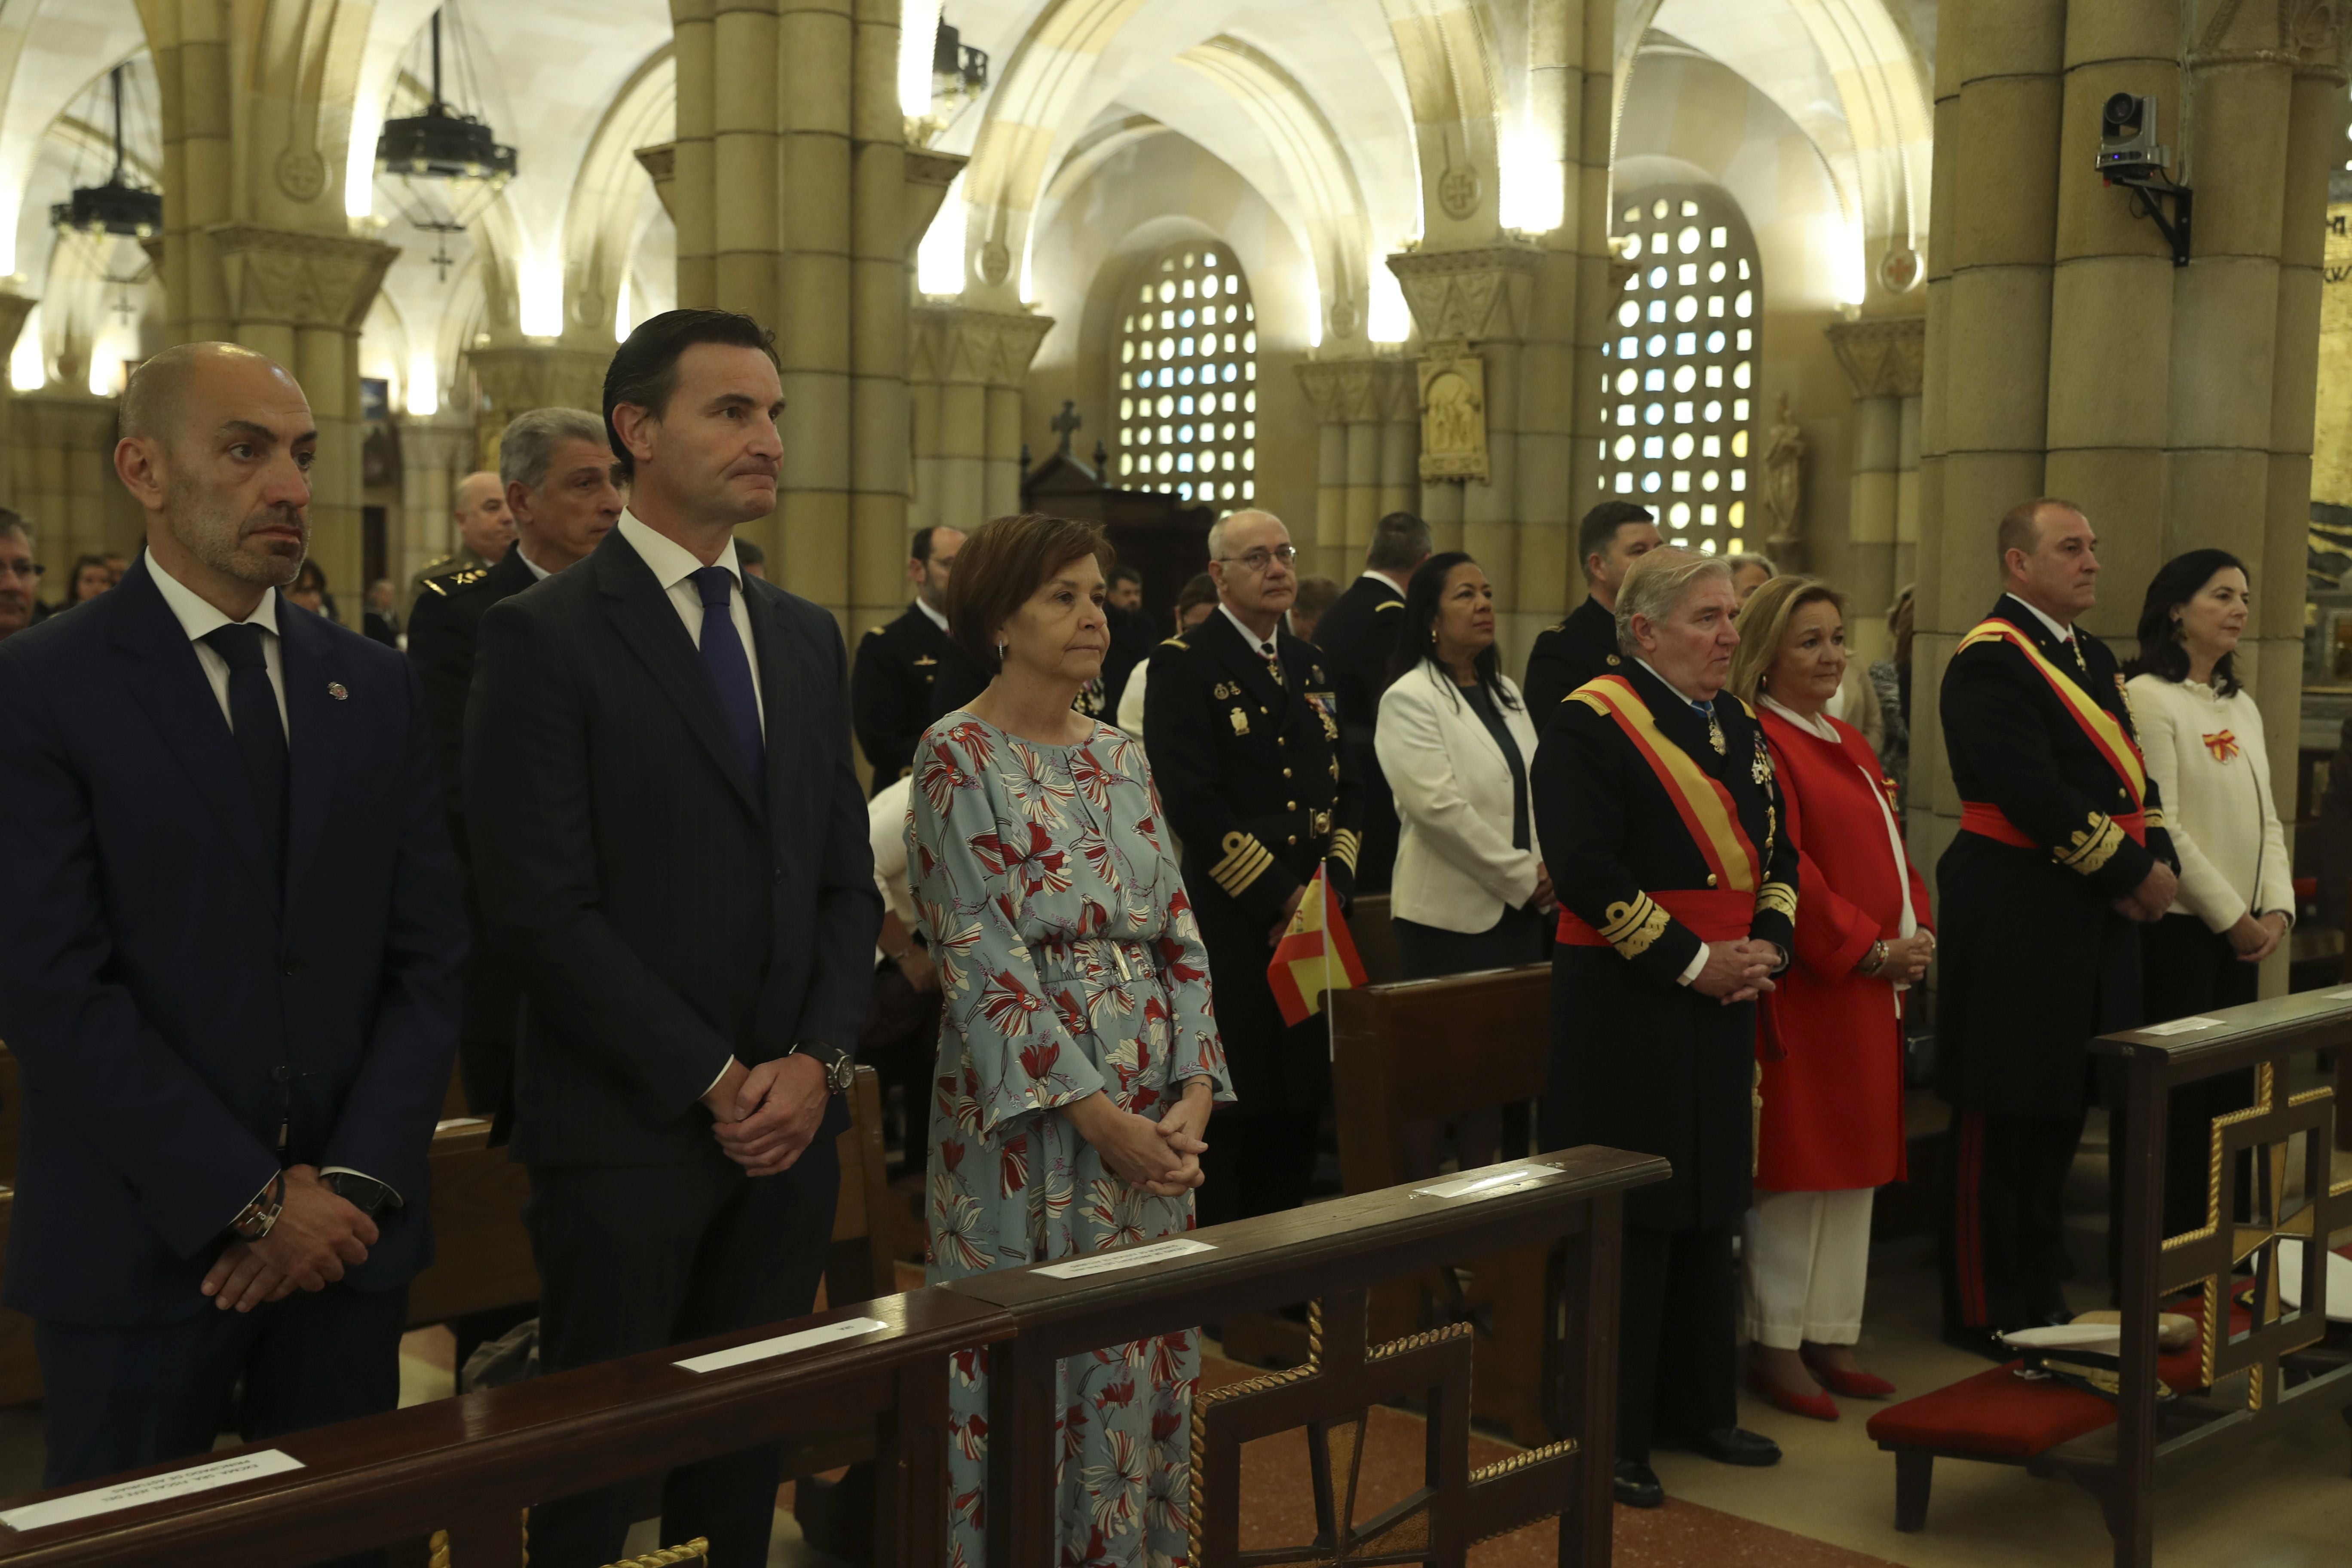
point(1637, 1484)
point(1736, 1446)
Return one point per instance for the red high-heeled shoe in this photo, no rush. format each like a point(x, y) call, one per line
point(1852, 1385)
point(1818, 1406)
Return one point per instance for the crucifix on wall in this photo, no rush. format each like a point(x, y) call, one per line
point(1066, 425)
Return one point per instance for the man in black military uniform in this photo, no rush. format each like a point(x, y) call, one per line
point(2061, 847)
point(1357, 636)
point(562, 495)
point(1612, 536)
point(1666, 938)
point(1243, 732)
point(893, 688)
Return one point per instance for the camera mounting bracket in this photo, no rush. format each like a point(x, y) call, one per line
point(2148, 191)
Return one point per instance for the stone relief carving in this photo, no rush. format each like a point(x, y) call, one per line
point(1884, 356)
point(1453, 414)
point(1783, 487)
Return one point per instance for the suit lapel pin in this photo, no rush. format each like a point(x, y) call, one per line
point(336, 690)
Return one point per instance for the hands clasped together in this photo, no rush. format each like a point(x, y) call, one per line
point(2147, 903)
point(1737, 971)
point(1162, 1157)
point(767, 1114)
point(318, 1235)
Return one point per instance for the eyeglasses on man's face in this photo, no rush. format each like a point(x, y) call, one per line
point(21, 568)
point(1259, 560)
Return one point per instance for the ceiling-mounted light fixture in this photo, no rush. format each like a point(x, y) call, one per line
point(449, 162)
point(959, 71)
point(118, 206)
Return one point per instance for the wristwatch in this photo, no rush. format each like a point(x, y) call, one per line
point(364, 1193)
point(840, 1067)
point(258, 1218)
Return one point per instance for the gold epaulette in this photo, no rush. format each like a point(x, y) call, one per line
point(1246, 861)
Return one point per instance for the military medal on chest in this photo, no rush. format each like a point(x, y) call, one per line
point(1241, 722)
point(1714, 731)
point(1762, 767)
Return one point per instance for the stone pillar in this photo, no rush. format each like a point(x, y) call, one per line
point(1882, 357)
point(61, 459)
point(687, 183)
point(967, 372)
point(14, 309)
point(1367, 409)
point(434, 454)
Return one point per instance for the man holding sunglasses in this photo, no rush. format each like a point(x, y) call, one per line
point(1244, 736)
point(20, 575)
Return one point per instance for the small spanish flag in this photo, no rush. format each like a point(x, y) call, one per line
point(1314, 956)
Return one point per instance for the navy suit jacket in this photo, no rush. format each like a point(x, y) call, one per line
point(661, 913)
point(169, 1008)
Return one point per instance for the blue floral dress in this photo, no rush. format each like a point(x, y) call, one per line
point(1070, 964)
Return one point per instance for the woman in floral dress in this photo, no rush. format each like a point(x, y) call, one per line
point(1078, 1056)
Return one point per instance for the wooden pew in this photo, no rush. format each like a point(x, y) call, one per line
point(1367, 923)
point(1436, 1049)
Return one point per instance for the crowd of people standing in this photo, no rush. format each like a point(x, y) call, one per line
point(590, 827)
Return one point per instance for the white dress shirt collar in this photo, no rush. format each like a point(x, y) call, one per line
point(933, 615)
point(197, 617)
point(1815, 724)
point(1258, 645)
point(538, 573)
point(1379, 577)
point(2063, 634)
point(670, 561)
point(1669, 685)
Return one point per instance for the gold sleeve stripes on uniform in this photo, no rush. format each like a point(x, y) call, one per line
point(2154, 818)
point(1777, 898)
point(2089, 848)
point(1246, 861)
point(1631, 928)
point(1346, 845)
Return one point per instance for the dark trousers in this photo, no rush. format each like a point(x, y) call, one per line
point(2185, 969)
point(2003, 1243)
point(1677, 1355)
point(119, 1399)
point(633, 1259)
point(1255, 1164)
point(1423, 951)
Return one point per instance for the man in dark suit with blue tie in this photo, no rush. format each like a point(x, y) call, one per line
point(230, 940)
point(670, 845)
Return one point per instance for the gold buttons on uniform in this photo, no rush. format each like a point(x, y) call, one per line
point(1290, 805)
point(1294, 839)
point(1710, 878)
point(1286, 773)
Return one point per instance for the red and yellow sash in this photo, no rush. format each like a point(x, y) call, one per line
point(1704, 804)
point(2113, 741)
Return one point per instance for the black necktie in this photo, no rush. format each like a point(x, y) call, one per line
point(259, 733)
point(730, 669)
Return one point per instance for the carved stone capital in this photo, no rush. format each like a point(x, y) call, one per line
point(519, 376)
point(64, 419)
point(1883, 355)
point(1478, 295)
point(661, 164)
point(958, 343)
point(929, 176)
point(300, 278)
point(1359, 391)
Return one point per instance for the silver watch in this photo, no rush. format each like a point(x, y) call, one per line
point(840, 1067)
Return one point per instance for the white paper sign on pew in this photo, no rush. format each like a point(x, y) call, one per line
point(200, 1477)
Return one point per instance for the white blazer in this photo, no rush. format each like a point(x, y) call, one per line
point(1455, 867)
point(2214, 775)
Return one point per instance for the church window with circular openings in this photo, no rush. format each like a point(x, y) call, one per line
point(1679, 386)
point(1188, 379)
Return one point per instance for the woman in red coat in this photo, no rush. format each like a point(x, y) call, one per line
point(1833, 1116)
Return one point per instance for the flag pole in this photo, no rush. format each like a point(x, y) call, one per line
point(1330, 1031)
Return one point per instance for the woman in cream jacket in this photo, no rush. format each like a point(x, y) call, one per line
point(1455, 741)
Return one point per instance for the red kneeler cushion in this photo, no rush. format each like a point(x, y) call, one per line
point(1995, 1414)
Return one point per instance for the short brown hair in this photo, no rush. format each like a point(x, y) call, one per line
point(1764, 621)
point(1002, 562)
point(2021, 526)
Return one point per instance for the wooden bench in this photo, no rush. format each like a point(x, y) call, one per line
point(1431, 1049)
point(2249, 1370)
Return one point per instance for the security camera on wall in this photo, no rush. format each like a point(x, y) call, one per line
point(2128, 141)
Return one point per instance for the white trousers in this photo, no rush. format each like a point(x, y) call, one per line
point(1808, 1266)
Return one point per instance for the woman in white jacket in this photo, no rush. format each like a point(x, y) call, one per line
point(2202, 737)
point(1454, 741)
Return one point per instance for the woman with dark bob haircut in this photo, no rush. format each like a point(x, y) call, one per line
point(1078, 1052)
point(2202, 737)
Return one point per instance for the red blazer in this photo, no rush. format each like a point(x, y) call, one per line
point(1834, 1103)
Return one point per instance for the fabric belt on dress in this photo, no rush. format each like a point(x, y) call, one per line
point(1716, 914)
point(1988, 821)
point(1118, 945)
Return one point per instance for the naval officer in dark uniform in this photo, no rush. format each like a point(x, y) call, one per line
point(2061, 848)
point(561, 497)
point(1357, 636)
point(1243, 731)
point(1656, 805)
point(1612, 536)
point(892, 687)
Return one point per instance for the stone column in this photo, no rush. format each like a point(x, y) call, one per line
point(61, 459)
point(1364, 404)
point(1882, 357)
point(880, 457)
point(434, 454)
point(14, 309)
point(686, 177)
point(968, 369)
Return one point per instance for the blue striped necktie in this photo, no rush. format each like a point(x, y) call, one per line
point(725, 660)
